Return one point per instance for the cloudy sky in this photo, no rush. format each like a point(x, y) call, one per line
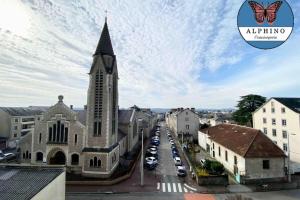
point(170, 53)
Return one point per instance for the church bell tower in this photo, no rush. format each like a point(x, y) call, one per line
point(102, 109)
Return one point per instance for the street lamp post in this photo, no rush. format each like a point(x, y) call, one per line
point(142, 154)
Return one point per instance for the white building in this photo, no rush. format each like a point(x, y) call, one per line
point(245, 152)
point(279, 118)
point(16, 122)
point(183, 121)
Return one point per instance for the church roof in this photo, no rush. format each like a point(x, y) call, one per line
point(24, 111)
point(104, 44)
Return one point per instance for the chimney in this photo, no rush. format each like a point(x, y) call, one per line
point(85, 107)
point(71, 107)
point(181, 109)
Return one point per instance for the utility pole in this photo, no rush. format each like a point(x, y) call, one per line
point(142, 160)
point(142, 154)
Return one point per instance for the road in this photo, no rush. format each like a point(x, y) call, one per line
point(278, 195)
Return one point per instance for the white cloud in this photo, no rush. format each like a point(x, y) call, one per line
point(161, 48)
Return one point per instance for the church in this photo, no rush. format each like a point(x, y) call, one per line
point(89, 142)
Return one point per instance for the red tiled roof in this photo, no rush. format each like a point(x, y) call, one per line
point(245, 141)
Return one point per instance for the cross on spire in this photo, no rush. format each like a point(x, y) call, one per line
point(105, 15)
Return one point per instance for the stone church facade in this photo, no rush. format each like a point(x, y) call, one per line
point(88, 142)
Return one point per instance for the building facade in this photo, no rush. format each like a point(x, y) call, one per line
point(279, 119)
point(183, 121)
point(16, 122)
point(245, 152)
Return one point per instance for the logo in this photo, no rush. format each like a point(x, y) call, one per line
point(265, 24)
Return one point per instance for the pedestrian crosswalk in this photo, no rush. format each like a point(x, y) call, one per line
point(174, 187)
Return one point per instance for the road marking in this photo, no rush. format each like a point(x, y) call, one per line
point(164, 187)
point(158, 186)
point(185, 190)
point(191, 188)
point(179, 187)
point(169, 187)
point(174, 187)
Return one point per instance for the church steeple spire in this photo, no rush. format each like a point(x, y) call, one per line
point(104, 45)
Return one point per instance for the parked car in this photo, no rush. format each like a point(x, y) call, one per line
point(181, 171)
point(151, 160)
point(2, 156)
point(155, 142)
point(175, 154)
point(173, 146)
point(10, 156)
point(149, 154)
point(152, 151)
point(177, 161)
point(172, 143)
point(152, 146)
point(155, 138)
point(157, 134)
point(150, 165)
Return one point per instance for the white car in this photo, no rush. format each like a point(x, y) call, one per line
point(152, 151)
point(155, 138)
point(151, 160)
point(177, 161)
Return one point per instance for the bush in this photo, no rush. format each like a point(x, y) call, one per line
point(213, 167)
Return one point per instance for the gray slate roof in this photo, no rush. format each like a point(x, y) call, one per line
point(24, 111)
point(124, 116)
point(81, 114)
point(104, 45)
point(291, 103)
point(18, 183)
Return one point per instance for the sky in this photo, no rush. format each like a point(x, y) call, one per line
point(170, 53)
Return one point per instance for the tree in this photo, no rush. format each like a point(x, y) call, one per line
point(246, 106)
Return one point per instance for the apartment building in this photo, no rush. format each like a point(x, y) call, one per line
point(279, 119)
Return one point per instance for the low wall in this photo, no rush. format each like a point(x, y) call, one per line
point(212, 180)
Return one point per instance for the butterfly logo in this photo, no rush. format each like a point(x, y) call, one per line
point(261, 13)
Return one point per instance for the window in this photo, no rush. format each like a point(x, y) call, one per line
point(15, 135)
point(213, 145)
point(274, 132)
point(235, 160)
point(186, 113)
point(226, 156)
point(58, 132)
point(219, 151)
point(40, 138)
point(265, 131)
point(264, 120)
point(285, 147)
point(95, 162)
point(273, 110)
point(283, 122)
point(39, 156)
point(273, 121)
point(284, 134)
point(16, 120)
point(187, 126)
point(282, 110)
point(74, 159)
point(16, 127)
point(264, 110)
point(266, 164)
point(75, 139)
